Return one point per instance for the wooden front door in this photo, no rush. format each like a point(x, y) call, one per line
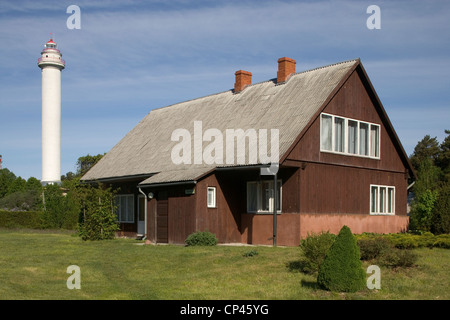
point(162, 223)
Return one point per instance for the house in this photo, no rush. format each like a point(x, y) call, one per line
point(325, 135)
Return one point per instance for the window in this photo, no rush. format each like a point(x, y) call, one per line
point(348, 136)
point(211, 197)
point(326, 133)
point(364, 139)
point(352, 137)
point(125, 208)
point(382, 199)
point(374, 140)
point(260, 197)
point(339, 134)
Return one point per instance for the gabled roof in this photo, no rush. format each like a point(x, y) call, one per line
point(288, 107)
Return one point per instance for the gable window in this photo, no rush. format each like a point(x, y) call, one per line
point(382, 199)
point(211, 197)
point(125, 208)
point(260, 197)
point(348, 136)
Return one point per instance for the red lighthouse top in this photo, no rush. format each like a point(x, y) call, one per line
point(51, 44)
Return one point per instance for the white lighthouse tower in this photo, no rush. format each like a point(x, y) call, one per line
point(51, 64)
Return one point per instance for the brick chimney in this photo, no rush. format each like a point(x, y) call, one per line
point(286, 67)
point(243, 79)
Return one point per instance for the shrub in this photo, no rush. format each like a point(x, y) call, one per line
point(399, 258)
point(314, 248)
point(374, 247)
point(442, 241)
point(60, 209)
point(201, 238)
point(341, 269)
point(99, 213)
point(250, 253)
point(20, 219)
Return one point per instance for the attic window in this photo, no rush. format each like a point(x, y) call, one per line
point(348, 136)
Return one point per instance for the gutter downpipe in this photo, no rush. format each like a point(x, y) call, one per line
point(145, 215)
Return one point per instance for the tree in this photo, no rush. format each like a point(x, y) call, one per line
point(341, 270)
point(6, 179)
point(427, 148)
point(85, 163)
point(443, 159)
point(61, 208)
point(99, 213)
point(430, 210)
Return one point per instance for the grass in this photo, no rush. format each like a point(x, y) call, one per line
point(33, 266)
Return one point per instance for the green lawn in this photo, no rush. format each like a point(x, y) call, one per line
point(33, 265)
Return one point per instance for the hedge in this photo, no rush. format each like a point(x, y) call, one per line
point(21, 219)
point(410, 240)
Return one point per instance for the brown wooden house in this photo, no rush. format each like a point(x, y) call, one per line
point(340, 162)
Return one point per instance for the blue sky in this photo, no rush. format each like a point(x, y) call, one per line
point(130, 57)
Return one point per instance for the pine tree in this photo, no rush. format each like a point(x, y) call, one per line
point(342, 269)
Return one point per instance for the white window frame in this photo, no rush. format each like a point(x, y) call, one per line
point(213, 203)
point(259, 197)
point(129, 214)
point(385, 205)
point(345, 134)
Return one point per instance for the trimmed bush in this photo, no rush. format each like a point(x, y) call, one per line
point(314, 248)
point(21, 219)
point(201, 238)
point(341, 269)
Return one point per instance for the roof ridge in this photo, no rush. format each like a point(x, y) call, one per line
point(254, 84)
point(328, 66)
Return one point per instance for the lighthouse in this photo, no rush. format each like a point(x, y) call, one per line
point(51, 66)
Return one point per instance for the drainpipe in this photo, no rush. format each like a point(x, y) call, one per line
point(275, 210)
point(145, 215)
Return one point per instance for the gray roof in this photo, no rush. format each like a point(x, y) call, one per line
point(288, 107)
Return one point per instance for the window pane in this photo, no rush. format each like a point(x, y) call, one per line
point(142, 208)
point(252, 200)
point(211, 197)
point(130, 208)
point(339, 134)
point(279, 196)
point(352, 136)
point(364, 139)
point(266, 195)
point(382, 199)
point(374, 141)
point(374, 196)
point(325, 135)
point(391, 200)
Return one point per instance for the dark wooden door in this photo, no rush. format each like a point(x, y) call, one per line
point(162, 224)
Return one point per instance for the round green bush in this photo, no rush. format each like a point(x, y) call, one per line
point(341, 270)
point(201, 238)
point(314, 247)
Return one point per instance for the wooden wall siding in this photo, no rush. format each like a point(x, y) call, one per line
point(336, 189)
point(224, 220)
point(162, 221)
point(351, 101)
point(181, 215)
point(230, 220)
point(170, 215)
